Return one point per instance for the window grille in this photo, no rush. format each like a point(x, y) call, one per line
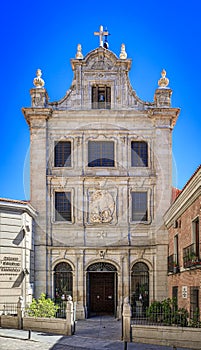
point(139, 206)
point(102, 266)
point(194, 301)
point(139, 154)
point(63, 280)
point(62, 154)
point(175, 295)
point(101, 154)
point(63, 206)
point(139, 289)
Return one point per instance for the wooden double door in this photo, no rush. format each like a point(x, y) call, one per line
point(102, 293)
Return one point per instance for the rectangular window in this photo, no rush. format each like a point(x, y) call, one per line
point(101, 97)
point(63, 206)
point(62, 154)
point(139, 154)
point(196, 238)
point(175, 295)
point(176, 250)
point(139, 206)
point(194, 301)
point(101, 154)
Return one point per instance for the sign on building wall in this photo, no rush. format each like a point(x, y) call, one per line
point(184, 292)
point(10, 266)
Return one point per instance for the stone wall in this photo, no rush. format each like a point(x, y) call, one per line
point(167, 336)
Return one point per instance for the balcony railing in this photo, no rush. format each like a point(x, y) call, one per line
point(173, 263)
point(101, 105)
point(191, 256)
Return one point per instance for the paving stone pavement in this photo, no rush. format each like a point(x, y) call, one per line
point(98, 333)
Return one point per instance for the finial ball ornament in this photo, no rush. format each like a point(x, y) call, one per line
point(163, 81)
point(123, 54)
point(79, 54)
point(38, 81)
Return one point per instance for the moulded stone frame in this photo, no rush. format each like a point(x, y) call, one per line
point(57, 261)
point(59, 189)
point(151, 275)
point(100, 137)
point(53, 144)
point(149, 192)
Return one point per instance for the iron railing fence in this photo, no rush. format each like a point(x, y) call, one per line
point(61, 311)
point(171, 317)
point(191, 256)
point(10, 309)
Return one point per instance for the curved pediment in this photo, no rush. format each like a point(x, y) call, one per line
point(100, 73)
point(100, 59)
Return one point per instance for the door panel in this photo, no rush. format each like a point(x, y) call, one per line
point(102, 293)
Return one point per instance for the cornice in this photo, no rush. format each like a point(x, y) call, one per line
point(36, 113)
point(151, 113)
point(20, 206)
point(189, 194)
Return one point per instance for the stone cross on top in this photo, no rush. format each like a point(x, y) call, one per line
point(101, 33)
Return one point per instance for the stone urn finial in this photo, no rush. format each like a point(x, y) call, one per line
point(79, 54)
point(163, 81)
point(38, 81)
point(123, 54)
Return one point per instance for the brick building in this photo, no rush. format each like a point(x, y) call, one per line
point(184, 261)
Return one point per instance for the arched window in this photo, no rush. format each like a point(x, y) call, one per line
point(63, 281)
point(139, 288)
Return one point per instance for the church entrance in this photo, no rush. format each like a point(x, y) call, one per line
point(102, 289)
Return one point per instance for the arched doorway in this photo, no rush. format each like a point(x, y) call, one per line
point(63, 281)
point(139, 288)
point(101, 289)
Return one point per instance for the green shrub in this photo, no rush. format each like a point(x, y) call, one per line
point(167, 313)
point(195, 320)
point(42, 307)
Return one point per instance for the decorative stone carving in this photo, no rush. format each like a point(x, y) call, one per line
point(37, 101)
point(102, 65)
point(101, 207)
point(102, 235)
point(102, 253)
point(141, 253)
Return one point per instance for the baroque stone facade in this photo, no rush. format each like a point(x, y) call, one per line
point(100, 247)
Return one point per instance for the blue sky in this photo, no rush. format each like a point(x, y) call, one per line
point(45, 34)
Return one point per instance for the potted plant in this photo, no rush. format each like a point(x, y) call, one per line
point(193, 257)
point(175, 266)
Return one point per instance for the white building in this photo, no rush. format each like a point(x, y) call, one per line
point(101, 183)
point(16, 251)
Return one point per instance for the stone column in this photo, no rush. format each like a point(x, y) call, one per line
point(126, 319)
point(69, 316)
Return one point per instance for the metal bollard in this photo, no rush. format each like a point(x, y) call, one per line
point(125, 345)
point(29, 334)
